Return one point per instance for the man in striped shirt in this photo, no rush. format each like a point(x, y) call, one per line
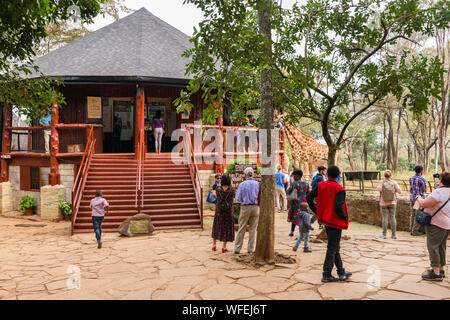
point(418, 186)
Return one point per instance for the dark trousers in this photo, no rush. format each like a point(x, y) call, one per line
point(333, 256)
point(292, 227)
point(97, 223)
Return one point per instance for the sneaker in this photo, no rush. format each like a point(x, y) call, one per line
point(295, 248)
point(329, 278)
point(382, 236)
point(429, 275)
point(442, 273)
point(394, 237)
point(307, 250)
point(291, 234)
point(236, 252)
point(344, 276)
point(99, 245)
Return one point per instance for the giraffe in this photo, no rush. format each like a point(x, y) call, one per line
point(305, 150)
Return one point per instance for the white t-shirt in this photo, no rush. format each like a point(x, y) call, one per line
point(442, 218)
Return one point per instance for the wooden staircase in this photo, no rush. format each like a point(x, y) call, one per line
point(169, 195)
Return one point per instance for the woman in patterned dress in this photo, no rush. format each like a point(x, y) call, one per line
point(223, 226)
point(302, 188)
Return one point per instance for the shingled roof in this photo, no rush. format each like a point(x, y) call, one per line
point(138, 48)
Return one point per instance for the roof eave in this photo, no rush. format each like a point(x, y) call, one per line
point(122, 80)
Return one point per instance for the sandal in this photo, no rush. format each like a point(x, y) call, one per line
point(214, 248)
point(224, 250)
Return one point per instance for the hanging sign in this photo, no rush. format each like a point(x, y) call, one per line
point(94, 106)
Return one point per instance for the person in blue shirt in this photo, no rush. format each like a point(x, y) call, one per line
point(47, 121)
point(280, 178)
point(247, 195)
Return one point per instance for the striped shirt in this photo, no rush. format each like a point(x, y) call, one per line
point(418, 186)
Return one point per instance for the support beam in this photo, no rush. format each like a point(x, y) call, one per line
point(220, 146)
point(53, 177)
point(6, 145)
point(140, 121)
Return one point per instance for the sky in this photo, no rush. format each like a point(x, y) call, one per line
point(181, 16)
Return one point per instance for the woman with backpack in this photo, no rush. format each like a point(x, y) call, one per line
point(223, 225)
point(388, 202)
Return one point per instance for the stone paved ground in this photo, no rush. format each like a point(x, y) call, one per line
point(180, 265)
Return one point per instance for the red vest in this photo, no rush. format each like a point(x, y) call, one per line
point(326, 195)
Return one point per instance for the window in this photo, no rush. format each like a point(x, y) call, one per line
point(30, 178)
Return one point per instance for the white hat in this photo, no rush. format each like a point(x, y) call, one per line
point(248, 171)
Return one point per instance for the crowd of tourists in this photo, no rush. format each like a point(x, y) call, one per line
point(325, 201)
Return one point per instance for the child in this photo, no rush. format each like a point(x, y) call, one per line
point(304, 227)
point(98, 206)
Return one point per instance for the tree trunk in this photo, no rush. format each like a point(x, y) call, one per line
point(390, 146)
point(349, 153)
point(383, 157)
point(332, 152)
point(365, 155)
point(395, 167)
point(265, 244)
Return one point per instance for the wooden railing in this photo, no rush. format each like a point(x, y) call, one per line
point(242, 151)
point(193, 172)
point(140, 173)
point(80, 180)
point(30, 149)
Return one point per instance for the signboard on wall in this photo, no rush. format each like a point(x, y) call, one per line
point(238, 176)
point(94, 106)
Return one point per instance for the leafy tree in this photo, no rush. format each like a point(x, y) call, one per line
point(23, 26)
point(329, 57)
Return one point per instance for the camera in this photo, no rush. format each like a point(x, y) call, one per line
point(436, 175)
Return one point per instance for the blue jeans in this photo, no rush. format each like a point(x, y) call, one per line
point(300, 238)
point(97, 222)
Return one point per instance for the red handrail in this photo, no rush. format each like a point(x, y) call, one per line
point(80, 180)
point(193, 172)
point(140, 173)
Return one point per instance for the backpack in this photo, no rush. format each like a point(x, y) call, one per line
point(388, 191)
point(223, 204)
point(315, 181)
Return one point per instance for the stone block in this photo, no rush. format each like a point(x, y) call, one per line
point(50, 196)
point(6, 197)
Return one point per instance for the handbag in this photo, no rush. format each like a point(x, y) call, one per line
point(211, 198)
point(424, 219)
point(293, 195)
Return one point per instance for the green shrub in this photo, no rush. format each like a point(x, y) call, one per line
point(27, 202)
point(231, 166)
point(65, 206)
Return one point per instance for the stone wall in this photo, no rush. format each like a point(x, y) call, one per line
point(50, 196)
point(67, 174)
point(67, 179)
point(366, 209)
point(14, 178)
point(6, 197)
point(207, 181)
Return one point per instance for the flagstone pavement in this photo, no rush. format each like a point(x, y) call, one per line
point(46, 263)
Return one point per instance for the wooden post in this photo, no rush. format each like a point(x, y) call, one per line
point(54, 147)
point(140, 121)
point(220, 146)
point(6, 145)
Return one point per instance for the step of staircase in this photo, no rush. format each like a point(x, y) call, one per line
point(169, 197)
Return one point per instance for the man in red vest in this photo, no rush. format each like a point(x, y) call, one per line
point(331, 210)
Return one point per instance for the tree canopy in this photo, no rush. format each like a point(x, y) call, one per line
point(23, 26)
point(331, 58)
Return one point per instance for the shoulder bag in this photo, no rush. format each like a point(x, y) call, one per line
point(424, 219)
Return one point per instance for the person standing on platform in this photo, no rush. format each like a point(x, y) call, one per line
point(331, 210)
point(47, 121)
point(418, 187)
point(98, 206)
point(247, 195)
point(117, 132)
point(158, 130)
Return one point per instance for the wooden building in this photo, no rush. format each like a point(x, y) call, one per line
point(124, 72)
